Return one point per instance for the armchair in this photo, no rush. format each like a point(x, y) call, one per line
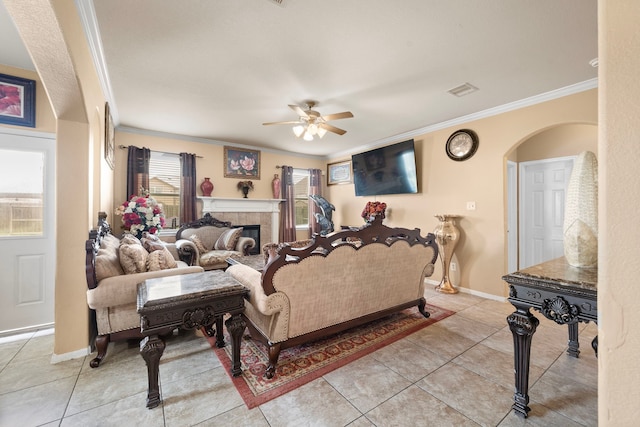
point(208, 242)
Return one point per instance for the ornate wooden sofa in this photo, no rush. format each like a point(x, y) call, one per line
point(208, 242)
point(112, 294)
point(338, 281)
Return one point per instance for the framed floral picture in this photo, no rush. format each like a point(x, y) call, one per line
point(241, 163)
point(17, 101)
point(339, 173)
point(109, 137)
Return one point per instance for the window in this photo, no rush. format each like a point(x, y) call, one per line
point(164, 185)
point(301, 191)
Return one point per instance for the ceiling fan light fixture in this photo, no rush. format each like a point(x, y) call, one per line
point(322, 132)
point(308, 136)
point(298, 130)
point(312, 128)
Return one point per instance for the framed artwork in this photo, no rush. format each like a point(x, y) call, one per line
point(339, 173)
point(17, 101)
point(109, 137)
point(241, 163)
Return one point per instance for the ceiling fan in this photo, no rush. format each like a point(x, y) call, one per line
point(310, 123)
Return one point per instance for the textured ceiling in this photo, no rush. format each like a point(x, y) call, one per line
point(219, 69)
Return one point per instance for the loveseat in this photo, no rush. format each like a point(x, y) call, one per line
point(338, 281)
point(208, 242)
point(114, 267)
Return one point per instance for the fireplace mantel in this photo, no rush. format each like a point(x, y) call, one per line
point(239, 205)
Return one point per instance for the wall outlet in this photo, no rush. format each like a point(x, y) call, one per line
point(471, 206)
point(453, 266)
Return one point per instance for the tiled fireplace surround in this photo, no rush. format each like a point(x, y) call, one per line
point(265, 212)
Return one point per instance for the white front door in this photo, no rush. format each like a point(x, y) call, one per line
point(543, 188)
point(27, 233)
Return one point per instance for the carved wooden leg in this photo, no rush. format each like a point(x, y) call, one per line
point(594, 345)
point(523, 324)
point(235, 326)
point(421, 306)
point(574, 344)
point(151, 349)
point(102, 342)
point(219, 332)
point(274, 353)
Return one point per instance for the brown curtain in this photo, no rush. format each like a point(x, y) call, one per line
point(315, 189)
point(188, 188)
point(137, 170)
point(288, 213)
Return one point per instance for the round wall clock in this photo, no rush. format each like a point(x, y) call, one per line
point(462, 144)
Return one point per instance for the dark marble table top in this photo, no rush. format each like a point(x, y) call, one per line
point(254, 261)
point(184, 287)
point(559, 271)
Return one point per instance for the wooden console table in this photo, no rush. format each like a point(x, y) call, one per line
point(190, 301)
point(562, 293)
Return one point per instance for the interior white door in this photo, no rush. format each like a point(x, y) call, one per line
point(27, 234)
point(512, 216)
point(543, 188)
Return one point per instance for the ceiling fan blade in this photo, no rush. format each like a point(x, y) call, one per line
point(282, 123)
point(299, 111)
point(336, 116)
point(327, 126)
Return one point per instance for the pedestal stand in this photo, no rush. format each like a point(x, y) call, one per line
point(447, 238)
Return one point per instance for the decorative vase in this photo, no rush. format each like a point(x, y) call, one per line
point(447, 236)
point(580, 227)
point(245, 191)
point(275, 185)
point(206, 187)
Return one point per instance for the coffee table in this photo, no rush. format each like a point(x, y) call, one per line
point(254, 261)
point(189, 301)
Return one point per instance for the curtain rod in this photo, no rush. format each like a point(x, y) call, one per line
point(164, 152)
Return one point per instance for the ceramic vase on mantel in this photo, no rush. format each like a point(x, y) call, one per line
point(447, 235)
point(275, 186)
point(206, 187)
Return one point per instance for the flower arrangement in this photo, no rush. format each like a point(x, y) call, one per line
point(140, 214)
point(245, 186)
point(373, 209)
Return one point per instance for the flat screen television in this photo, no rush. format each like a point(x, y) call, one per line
point(386, 170)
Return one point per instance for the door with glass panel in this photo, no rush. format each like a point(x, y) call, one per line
point(27, 234)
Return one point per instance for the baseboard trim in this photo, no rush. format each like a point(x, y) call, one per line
point(57, 358)
point(470, 291)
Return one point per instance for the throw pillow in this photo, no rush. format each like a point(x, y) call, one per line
point(107, 264)
point(133, 258)
point(161, 260)
point(151, 242)
point(228, 239)
point(199, 245)
point(129, 239)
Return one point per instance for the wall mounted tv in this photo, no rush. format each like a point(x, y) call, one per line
point(386, 170)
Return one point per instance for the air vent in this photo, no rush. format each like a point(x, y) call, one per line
point(463, 89)
point(278, 2)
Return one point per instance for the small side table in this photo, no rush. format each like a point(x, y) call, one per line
point(189, 301)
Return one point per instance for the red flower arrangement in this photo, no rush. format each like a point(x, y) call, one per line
point(373, 209)
point(141, 213)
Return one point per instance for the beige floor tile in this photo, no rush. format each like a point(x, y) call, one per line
point(455, 302)
point(35, 405)
point(366, 383)
point(239, 416)
point(409, 359)
point(540, 416)
point(314, 404)
point(9, 350)
point(21, 374)
point(567, 397)
point(470, 329)
point(116, 352)
point(413, 407)
point(476, 397)
point(583, 369)
point(191, 400)
point(130, 411)
point(481, 314)
point(361, 422)
point(40, 345)
point(441, 341)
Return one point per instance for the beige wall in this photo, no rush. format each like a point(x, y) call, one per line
point(560, 141)
point(445, 186)
point(619, 213)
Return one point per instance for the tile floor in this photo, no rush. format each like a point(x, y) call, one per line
point(458, 372)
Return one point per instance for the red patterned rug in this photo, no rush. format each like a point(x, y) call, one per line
point(302, 364)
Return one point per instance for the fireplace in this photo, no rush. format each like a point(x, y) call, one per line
point(252, 231)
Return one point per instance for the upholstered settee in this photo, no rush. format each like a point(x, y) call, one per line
point(208, 242)
point(114, 267)
point(336, 282)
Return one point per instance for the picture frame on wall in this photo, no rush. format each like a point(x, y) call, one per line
point(109, 137)
point(241, 163)
point(17, 101)
point(339, 173)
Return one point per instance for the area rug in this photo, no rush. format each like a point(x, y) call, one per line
point(302, 364)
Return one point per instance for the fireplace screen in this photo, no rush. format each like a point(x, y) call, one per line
point(252, 231)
